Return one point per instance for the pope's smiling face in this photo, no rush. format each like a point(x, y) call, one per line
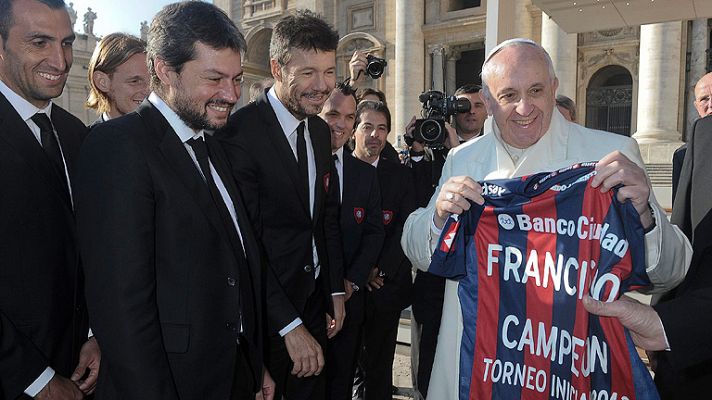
point(36, 55)
point(522, 95)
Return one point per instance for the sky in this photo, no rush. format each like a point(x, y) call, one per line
point(117, 15)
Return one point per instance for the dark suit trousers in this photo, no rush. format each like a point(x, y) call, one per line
point(380, 332)
point(342, 350)
point(280, 365)
point(243, 385)
point(427, 312)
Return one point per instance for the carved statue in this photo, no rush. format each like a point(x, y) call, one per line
point(89, 18)
point(72, 14)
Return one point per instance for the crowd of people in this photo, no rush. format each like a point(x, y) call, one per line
point(183, 248)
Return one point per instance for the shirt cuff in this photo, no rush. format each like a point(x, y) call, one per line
point(40, 382)
point(667, 342)
point(90, 334)
point(417, 158)
point(339, 294)
point(434, 228)
point(653, 243)
point(284, 331)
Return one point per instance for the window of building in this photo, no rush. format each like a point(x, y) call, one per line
point(468, 68)
point(455, 5)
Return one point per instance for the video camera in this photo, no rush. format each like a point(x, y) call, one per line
point(436, 108)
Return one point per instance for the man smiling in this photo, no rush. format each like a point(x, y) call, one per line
point(526, 137)
point(117, 75)
point(173, 269)
point(43, 321)
point(281, 156)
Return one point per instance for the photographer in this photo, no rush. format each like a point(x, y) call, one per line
point(469, 124)
point(427, 158)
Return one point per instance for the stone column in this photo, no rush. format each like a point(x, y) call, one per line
point(451, 72)
point(500, 22)
point(699, 44)
point(659, 83)
point(563, 49)
point(507, 19)
point(409, 65)
point(437, 54)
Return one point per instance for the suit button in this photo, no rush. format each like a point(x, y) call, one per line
point(308, 268)
point(231, 281)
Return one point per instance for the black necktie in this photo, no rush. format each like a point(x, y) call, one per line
point(302, 160)
point(337, 178)
point(201, 154)
point(50, 144)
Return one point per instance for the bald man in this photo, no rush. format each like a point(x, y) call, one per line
point(703, 105)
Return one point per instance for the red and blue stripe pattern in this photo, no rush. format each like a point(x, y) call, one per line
point(524, 261)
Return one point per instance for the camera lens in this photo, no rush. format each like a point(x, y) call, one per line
point(430, 130)
point(374, 69)
point(461, 105)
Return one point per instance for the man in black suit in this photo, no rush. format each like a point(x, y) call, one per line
point(173, 269)
point(362, 238)
point(682, 322)
point(44, 350)
point(281, 156)
point(390, 280)
point(703, 105)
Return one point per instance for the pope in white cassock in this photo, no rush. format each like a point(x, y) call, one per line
point(527, 137)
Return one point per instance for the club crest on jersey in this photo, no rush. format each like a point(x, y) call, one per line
point(506, 221)
point(327, 177)
point(358, 214)
point(387, 217)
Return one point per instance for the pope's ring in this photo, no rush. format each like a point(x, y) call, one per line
point(450, 195)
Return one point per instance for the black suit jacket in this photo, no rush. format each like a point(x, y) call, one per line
point(693, 200)
point(686, 371)
point(266, 169)
point(165, 284)
point(677, 159)
point(361, 219)
point(43, 321)
point(97, 121)
point(397, 202)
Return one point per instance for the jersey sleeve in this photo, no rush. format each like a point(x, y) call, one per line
point(450, 254)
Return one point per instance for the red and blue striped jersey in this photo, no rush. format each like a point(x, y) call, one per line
point(524, 261)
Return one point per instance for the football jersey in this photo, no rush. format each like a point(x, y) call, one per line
point(524, 261)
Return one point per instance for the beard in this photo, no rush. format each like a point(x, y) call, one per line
point(301, 111)
point(196, 117)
